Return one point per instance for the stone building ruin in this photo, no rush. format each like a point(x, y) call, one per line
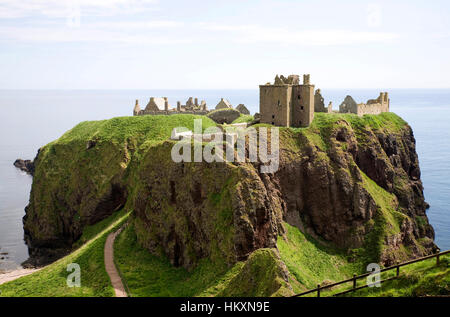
point(372, 106)
point(242, 109)
point(288, 103)
point(319, 103)
point(161, 106)
point(224, 104)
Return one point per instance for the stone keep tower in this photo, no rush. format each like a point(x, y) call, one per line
point(286, 102)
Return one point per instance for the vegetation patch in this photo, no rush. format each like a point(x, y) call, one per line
point(51, 281)
point(310, 262)
point(416, 280)
point(149, 275)
point(244, 118)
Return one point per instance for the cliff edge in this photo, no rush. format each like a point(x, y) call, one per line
point(350, 183)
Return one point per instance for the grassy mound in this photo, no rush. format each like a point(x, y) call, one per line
point(148, 275)
point(244, 118)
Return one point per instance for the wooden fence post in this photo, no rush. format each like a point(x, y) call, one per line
point(437, 257)
point(354, 281)
point(398, 268)
point(318, 290)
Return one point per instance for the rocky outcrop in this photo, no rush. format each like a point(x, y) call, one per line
point(26, 166)
point(348, 183)
point(224, 115)
point(329, 192)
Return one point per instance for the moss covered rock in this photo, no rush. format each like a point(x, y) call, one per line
point(224, 115)
point(351, 182)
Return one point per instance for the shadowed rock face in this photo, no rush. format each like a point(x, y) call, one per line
point(26, 166)
point(329, 198)
point(323, 192)
point(72, 188)
point(342, 184)
point(224, 115)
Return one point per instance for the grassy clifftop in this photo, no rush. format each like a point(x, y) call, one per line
point(347, 193)
point(80, 178)
point(144, 130)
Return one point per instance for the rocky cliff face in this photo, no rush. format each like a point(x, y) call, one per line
point(361, 186)
point(350, 182)
point(26, 166)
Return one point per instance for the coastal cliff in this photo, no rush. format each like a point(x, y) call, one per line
point(350, 183)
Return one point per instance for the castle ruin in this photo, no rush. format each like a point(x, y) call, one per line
point(288, 103)
point(160, 106)
point(372, 106)
point(224, 104)
point(319, 103)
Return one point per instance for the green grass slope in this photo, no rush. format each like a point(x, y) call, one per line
point(244, 118)
point(142, 128)
point(311, 262)
point(76, 173)
point(147, 275)
point(51, 281)
point(415, 280)
point(121, 148)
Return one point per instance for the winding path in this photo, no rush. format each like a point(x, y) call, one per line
point(116, 281)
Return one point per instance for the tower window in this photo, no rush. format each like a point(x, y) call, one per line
point(299, 97)
point(273, 116)
point(301, 107)
point(278, 103)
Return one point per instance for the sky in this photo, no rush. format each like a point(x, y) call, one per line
point(232, 44)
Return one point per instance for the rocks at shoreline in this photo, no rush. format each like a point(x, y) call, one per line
point(25, 165)
point(43, 257)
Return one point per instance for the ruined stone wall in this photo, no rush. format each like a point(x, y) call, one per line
point(377, 108)
point(275, 104)
point(319, 103)
point(286, 102)
point(302, 107)
point(162, 112)
point(349, 105)
point(373, 106)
